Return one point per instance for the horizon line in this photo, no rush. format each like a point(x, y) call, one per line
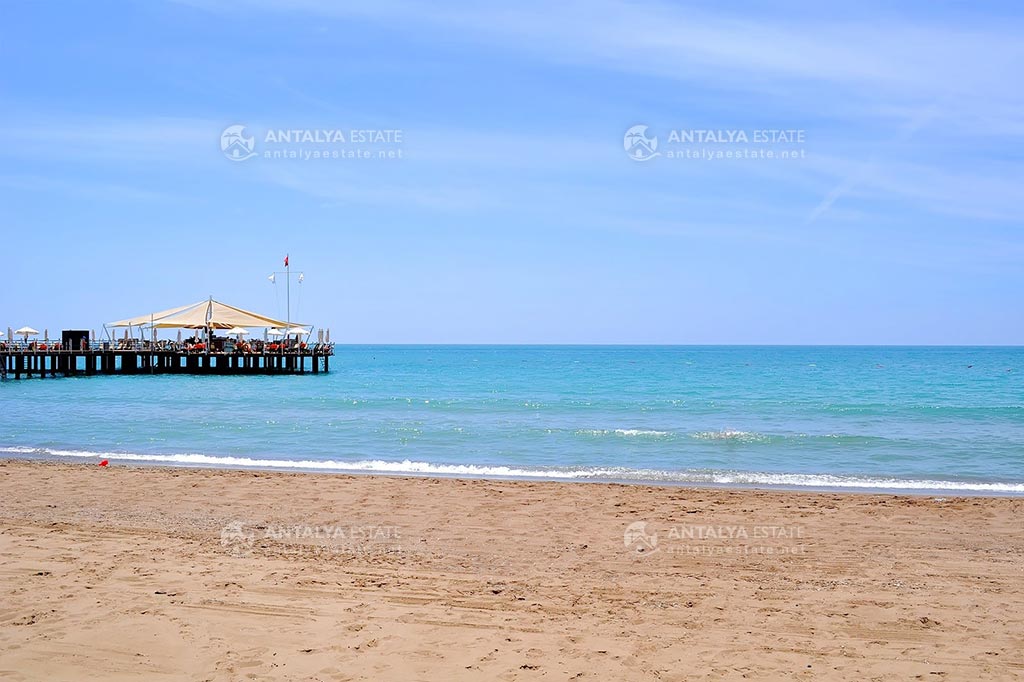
point(688, 345)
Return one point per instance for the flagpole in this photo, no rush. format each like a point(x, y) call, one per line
point(288, 319)
point(288, 293)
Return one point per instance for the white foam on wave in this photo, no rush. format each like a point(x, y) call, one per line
point(731, 435)
point(370, 465)
point(746, 478)
point(624, 432)
point(862, 482)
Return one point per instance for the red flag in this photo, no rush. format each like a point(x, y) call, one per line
point(286, 261)
point(104, 463)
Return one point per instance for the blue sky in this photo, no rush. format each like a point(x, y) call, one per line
point(514, 213)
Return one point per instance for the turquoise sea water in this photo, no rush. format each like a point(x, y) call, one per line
point(823, 417)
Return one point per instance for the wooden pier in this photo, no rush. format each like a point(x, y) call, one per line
point(35, 362)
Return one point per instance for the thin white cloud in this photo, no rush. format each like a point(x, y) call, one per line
point(900, 60)
point(150, 140)
point(460, 171)
point(85, 189)
point(969, 190)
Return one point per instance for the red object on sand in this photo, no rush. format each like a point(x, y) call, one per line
point(104, 463)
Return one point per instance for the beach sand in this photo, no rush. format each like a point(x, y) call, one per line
point(186, 574)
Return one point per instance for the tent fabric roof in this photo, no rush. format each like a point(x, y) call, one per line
point(151, 317)
point(202, 314)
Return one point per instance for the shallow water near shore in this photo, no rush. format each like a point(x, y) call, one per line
point(906, 419)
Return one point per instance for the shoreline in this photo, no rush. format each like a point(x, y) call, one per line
point(125, 459)
point(189, 573)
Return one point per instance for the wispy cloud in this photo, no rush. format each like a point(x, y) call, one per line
point(123, 139)
point(864, 170)
point(960, 190)
point(84, 188)
point(874, 56)
point(891, 88)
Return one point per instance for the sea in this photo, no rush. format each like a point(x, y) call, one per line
point(930, 420)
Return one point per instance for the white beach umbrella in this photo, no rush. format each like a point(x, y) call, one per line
point(237, 331)
point(275, 332)
point(26, 332)
point(298, 331)
point(179, 336)
point(328, 335)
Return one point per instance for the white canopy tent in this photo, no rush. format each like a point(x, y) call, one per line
point(146, 319)
point(201, 315)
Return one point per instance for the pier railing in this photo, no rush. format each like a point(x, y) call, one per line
point(144, 346)
point(133, 356)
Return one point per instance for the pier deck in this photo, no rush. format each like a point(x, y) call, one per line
point(26, 363)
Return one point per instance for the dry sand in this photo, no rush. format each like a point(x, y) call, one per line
point(128, 573)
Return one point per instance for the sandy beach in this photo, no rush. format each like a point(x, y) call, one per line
point(185, 574)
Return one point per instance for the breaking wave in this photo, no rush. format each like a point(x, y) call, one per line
point(409, 467)
point(624, 432)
